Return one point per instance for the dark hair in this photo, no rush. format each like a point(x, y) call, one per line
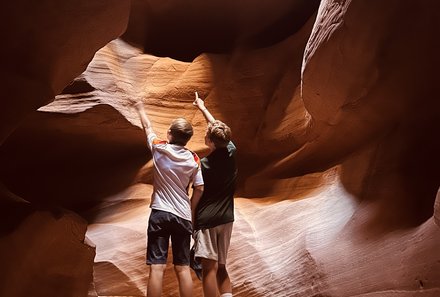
point(219, 133)
point(181, 131)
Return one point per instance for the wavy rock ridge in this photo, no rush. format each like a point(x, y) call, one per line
point(335, 119)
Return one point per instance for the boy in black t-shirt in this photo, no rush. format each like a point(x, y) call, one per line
point(214, 215)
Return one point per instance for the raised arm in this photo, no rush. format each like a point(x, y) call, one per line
point(201, 105)
point(146, 124)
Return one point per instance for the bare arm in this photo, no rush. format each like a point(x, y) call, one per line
point(195, 198)
point(146, 124)
point(201, 105)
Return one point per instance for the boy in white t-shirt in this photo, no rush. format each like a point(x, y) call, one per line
point(175, 169)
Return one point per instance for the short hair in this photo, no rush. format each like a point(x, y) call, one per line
point(181, 131)
point(219, 133)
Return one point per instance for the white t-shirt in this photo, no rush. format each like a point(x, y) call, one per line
point(175, 168)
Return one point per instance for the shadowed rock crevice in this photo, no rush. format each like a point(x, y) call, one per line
point(334, 112)
point(93, 154)
point(184, 30)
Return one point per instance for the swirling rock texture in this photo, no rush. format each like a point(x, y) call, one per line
point(45, 44)
point(333, 107)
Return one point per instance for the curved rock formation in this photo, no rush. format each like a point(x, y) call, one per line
point(183, 30)
point(45, 45)
point(335, 120)
point(45, 254)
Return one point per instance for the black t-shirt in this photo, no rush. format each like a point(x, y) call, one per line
point(216, 206)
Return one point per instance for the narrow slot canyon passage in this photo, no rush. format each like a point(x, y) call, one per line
point(333, 107)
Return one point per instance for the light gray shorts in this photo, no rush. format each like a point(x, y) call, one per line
point(213, 243)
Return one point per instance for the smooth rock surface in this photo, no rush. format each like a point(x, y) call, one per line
point(337, 133)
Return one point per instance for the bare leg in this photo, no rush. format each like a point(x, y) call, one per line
point(223, 281)
point(209, 268)
point(155, 280)
point(185, 281)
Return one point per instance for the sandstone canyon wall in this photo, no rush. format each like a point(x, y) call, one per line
point(333, 107)
point(45, 44)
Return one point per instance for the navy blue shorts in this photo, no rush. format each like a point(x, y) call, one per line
point(162, 226)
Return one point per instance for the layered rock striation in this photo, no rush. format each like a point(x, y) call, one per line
point(335, 120)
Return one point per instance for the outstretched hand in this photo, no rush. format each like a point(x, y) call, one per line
point(199, 102)
point(201, 105)
point(139, 105)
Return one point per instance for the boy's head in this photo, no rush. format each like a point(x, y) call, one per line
point(180, 132)
point(218, 133)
